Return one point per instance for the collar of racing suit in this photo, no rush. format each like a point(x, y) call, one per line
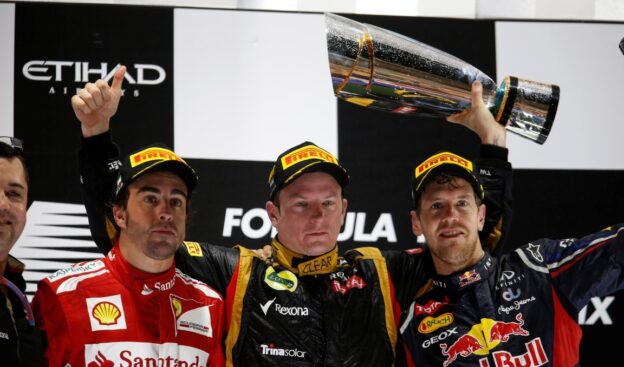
point(305, 265)
point(144, 283)
point(464, 278)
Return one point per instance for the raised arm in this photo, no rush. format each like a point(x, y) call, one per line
point(94, 106)
point(494, 169)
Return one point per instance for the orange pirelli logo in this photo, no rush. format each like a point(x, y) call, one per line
point(305, 153)
point(444, 157)
point(152, 154)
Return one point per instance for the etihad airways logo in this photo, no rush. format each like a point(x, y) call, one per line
point(65, 77)
point(83, 72)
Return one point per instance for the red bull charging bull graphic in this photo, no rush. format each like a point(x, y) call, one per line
point(487, 335)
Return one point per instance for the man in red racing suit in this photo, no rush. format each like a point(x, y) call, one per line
point(106, 313)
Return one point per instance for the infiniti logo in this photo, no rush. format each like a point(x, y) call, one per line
point(83, 72)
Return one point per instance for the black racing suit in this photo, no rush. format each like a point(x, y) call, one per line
point(326, 311)
point(518, 309)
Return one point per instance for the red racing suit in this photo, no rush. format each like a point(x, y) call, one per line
point(106, 313)
point(516, 310)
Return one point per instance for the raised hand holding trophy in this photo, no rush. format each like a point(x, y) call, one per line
point(377, 68)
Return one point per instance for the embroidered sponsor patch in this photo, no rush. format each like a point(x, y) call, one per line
point(285, 280)
point(106, 313)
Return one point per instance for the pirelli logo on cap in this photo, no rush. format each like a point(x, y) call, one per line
point(153, 154)
point(305, 153)
point(440, 158)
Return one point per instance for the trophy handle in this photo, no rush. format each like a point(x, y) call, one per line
point(526, 107)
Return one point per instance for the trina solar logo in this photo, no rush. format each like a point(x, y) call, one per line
point(80, 72)
point(444, 157)
point(307, 152)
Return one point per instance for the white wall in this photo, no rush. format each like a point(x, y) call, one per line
point(511, 9)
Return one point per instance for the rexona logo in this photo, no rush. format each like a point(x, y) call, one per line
point(271, 350)
point(283, 310)
point(354, 227)
point(77, 73)
point(130, 354)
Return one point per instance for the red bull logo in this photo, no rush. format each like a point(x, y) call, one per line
point(535, 356)
point(502, 330)
point(468, 278)
point(487, 335)
point(464, 346)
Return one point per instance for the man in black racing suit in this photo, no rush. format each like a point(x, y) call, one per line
point(292, 308)
point(518, 309)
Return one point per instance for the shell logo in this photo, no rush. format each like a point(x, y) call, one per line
point(177, 306)
point(106, 313)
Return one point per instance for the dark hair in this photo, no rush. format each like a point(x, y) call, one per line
point(10, 153)
point(443, 178)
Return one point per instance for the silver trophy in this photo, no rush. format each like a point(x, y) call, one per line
point(381, 69)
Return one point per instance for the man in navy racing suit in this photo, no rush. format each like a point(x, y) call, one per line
point(518, 309)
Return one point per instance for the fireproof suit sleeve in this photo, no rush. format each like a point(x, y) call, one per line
point(98, 165)
point(496, 175)
point(591, 266)
point(211, 264)
point(50, 319)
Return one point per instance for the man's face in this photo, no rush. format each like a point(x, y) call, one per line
point(153, 224)
point(13, 202)
point(310, 213)
point(450, 219)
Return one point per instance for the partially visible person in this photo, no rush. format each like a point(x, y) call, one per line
point(134, 307)
point(20, 342)
point(518, 309)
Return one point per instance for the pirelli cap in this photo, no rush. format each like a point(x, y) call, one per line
point(153, 158)
point(303, 158)
point(444, 162)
